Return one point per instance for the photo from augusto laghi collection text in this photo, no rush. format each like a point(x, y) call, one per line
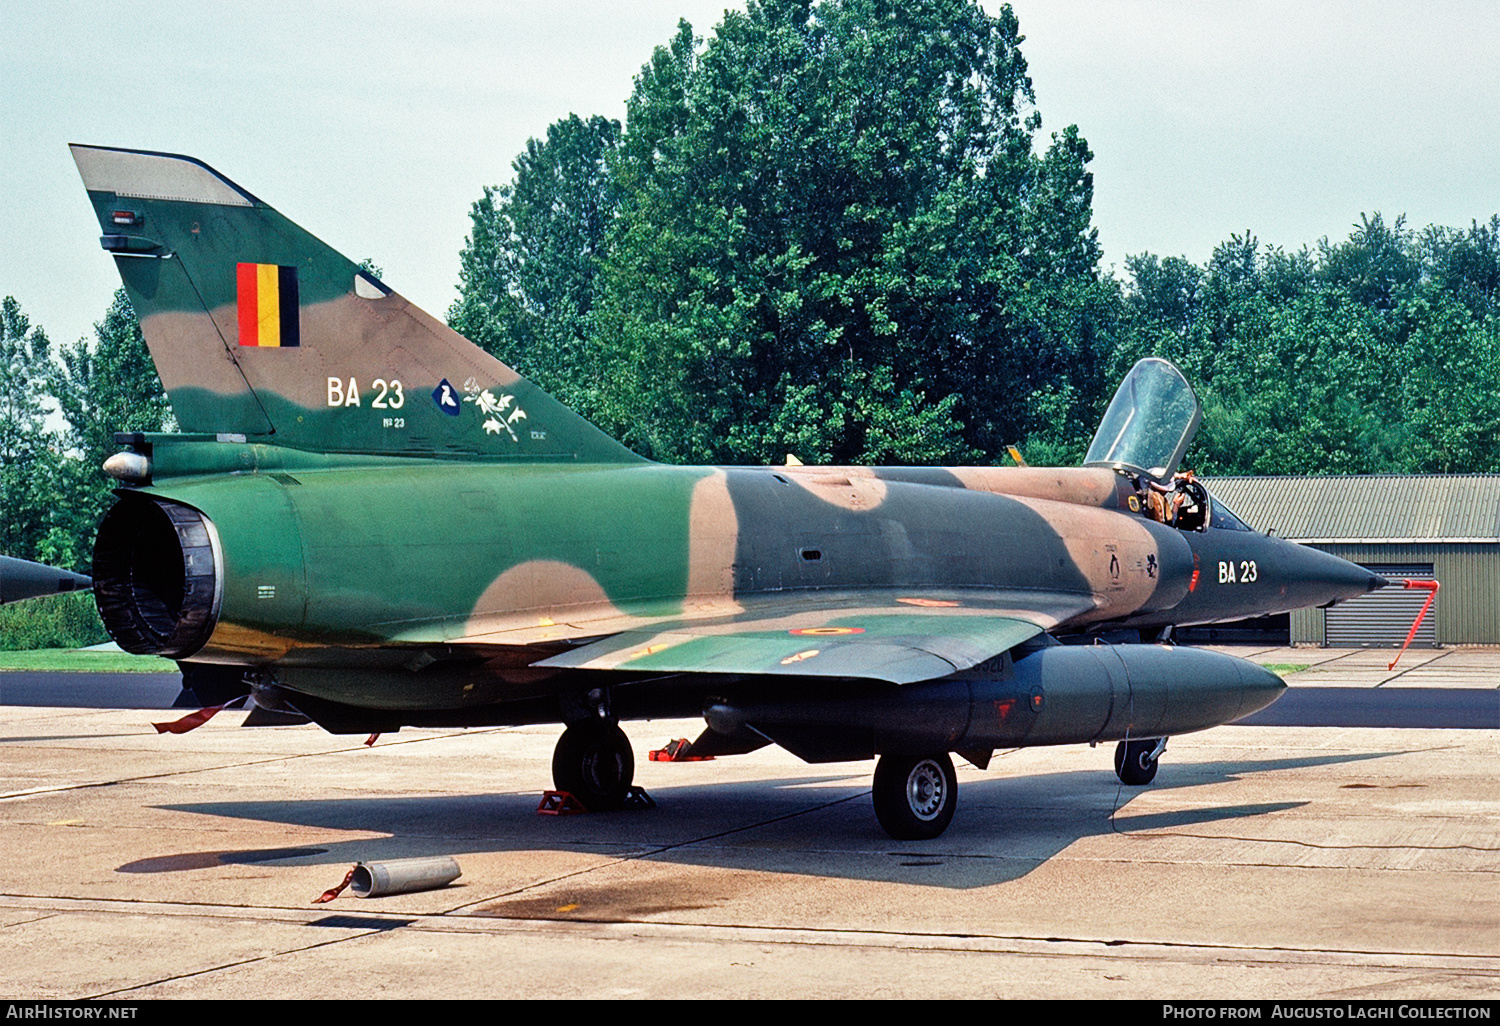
point(1341, 1010)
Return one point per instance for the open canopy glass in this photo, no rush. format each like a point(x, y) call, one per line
point(1149, 423)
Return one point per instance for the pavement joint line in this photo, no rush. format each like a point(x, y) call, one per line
point(1376, 991)
point(210, 970)
point(1282, 867)
point(1330, 847)
point(40, 917)
point(34, 791)
point(1418, 666)
point(1341, 656)
point(1253, 652)
point(1279, 866)
point(1161, 833)
point(801, 935)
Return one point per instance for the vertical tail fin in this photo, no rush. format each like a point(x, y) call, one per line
point(258, 328)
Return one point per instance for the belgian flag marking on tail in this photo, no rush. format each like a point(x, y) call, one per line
point(268, 305)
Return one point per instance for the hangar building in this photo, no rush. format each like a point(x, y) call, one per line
point(1442, 526)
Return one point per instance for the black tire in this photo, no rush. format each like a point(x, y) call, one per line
point(1133, 762)
point(593, 762)
point(915, 795)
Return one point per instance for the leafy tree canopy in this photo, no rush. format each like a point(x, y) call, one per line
point(26, 454)
point(832, 229)
point(1376, 354)
point(527, 276)
point(53, 488)
point(824, 230)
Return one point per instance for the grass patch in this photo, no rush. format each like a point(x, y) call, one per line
point(53, 621)
point(1282, 669)
point(77, 661)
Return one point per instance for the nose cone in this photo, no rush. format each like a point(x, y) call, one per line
point(1259, 687)
point(1318, 579)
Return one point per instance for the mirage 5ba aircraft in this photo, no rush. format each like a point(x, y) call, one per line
point(371, 520)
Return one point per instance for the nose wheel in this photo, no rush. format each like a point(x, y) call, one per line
point(915, 795)
point(593, 762)
point(1136, 761)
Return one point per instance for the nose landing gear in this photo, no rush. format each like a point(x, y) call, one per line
point(1136, 761)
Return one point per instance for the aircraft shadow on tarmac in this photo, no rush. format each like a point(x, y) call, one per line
point(813, 825)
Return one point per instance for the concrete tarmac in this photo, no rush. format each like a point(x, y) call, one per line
point(1264, 862)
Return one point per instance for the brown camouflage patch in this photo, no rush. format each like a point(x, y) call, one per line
point(852, 488)
point(1077, 485)
point(714, 533)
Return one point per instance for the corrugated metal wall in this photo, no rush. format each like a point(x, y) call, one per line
point(1384, 618)
point(1437, 507)
point(1306, 627)
point(1467, 611)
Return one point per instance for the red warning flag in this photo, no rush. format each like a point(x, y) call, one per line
point(1431, 587)
point(191, 721)
point(334, 892)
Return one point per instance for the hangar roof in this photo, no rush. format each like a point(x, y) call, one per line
point(1367, 508)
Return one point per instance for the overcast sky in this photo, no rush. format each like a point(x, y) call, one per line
point(375, 125)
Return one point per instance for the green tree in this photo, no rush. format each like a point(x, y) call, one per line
point(101, 387)
point(1466, 264)
point(1377, 266)
point(528, 268)
point(1165, 295)
point(1375, 354)
point(1449, 387)
point(823, 231)
point(27, 450)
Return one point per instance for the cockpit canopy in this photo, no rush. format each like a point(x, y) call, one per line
point(1149, 423)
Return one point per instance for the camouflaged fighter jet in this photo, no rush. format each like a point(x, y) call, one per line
point(373, 521)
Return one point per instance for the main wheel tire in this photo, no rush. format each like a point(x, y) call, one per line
point(1133, 762)
point(593, 762)
point(915, 795)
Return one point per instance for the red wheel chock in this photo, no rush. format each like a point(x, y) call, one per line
point(637, 798)
point(192, 721)
point(679, 750)
point(559, 803)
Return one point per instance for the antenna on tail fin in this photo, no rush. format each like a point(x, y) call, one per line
point(258, 328)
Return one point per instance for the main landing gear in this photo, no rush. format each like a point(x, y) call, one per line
point(915, 795)
point(593, 762)
point(1136, 761)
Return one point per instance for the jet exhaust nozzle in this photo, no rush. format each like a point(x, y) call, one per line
point(157, 577)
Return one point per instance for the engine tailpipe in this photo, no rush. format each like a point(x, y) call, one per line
point(157, 576)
